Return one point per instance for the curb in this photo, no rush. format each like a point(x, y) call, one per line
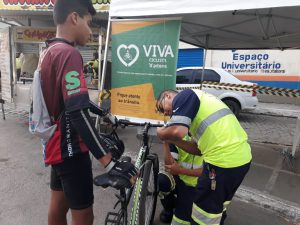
point(284, 208)
point(275, 112)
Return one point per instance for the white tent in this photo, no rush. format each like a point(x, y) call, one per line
point(224, 24)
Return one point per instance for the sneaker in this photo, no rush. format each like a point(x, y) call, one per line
point(166, 216)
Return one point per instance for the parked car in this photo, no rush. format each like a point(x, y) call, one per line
point(236, 100)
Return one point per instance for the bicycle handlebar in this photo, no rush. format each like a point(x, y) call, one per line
point(115, 121)
point(129, 123)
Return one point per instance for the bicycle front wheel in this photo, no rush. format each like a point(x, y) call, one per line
point(145, 203)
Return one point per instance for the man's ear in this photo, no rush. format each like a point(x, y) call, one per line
point(73, 18)
point(168, 96)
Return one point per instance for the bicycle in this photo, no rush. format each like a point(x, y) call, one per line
point(145, 190)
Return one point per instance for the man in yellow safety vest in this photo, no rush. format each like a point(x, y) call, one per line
point(218, 137)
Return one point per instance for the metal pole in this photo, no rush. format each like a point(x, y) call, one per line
point(204, 60)
point(97, 124)
point(99, 71)
point(99, 60)
point(105, 55)
point(296, 137)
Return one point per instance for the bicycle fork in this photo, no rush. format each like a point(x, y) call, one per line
point(120, 217)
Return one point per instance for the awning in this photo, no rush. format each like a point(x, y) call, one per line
point(22, 6)
point(224, 24)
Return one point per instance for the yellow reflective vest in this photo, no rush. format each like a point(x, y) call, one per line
point(220, 137)
point(189, 161)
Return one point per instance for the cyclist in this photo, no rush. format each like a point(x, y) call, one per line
point(221, 140)
point(67, 100)
point(177, 184)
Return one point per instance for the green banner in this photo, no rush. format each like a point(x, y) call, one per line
point(144, 60)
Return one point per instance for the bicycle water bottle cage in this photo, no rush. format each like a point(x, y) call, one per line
point(105, 180)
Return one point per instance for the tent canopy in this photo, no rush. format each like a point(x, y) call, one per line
point(224, 24)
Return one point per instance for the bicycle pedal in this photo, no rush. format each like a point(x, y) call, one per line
point(112, 219)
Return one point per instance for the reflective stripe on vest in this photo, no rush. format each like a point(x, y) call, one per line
point(179, 119)
point(210, 120)
point(177, 221)
point(174, 155)
point(190, 165)
point(188, 161)
point(202, 217)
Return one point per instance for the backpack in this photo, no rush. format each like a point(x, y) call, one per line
point(40, 122)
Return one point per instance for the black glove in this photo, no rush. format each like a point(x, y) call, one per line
point(121, 169)
point(112, 144)
point(94, 108)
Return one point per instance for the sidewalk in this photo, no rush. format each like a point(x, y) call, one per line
point(274, 178)
point(273, 181)
point(275, 109)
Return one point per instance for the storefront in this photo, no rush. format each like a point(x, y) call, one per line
point(23, 43)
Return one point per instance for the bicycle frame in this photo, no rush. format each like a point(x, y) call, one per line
point(125, 194)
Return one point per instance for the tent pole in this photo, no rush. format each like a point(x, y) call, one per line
point(204, 60)
point(97, 124)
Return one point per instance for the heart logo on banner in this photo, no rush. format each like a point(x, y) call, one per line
point(127, 57)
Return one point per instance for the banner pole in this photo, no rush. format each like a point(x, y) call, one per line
point(105, 55)
point(97, 124)
point(99, 60)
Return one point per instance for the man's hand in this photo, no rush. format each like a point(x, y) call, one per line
point(112, 144)
point(124, 170)
point(173, 169)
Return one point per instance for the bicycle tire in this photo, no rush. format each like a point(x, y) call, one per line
point(145, 196)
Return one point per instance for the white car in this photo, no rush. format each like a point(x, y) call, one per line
point(245, 99)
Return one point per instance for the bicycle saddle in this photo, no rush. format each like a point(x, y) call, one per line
point(105, 180)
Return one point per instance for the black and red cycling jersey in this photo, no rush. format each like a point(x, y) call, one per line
point(67, 100)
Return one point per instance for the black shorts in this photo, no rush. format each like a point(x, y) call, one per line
point(74, 177)
point(227, 182)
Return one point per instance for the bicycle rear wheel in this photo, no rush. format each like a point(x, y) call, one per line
point(145, 194)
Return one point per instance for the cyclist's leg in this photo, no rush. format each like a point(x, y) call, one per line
point(82, 216)
point(77, 182)
point(184, 202)
point(58, 208)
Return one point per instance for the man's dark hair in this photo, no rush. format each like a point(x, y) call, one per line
point(161, 95)
point(62, 8)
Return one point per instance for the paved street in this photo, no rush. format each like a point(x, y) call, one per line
point(268, 129)
point(24, 186)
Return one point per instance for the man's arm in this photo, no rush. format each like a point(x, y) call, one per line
point(176, 169)
point(172, 133)
point(171, 164)
point(167, 154)
point(96, 109)
point(188, 146)
point(81, 121)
